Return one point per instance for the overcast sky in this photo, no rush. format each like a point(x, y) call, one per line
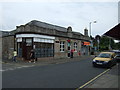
point(76, 14)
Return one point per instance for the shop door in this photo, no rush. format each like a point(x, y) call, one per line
point(27, 47)
point(69, 48)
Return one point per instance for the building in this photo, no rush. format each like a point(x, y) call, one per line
point(47, 41)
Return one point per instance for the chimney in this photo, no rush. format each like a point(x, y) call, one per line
point(86, 32)
point(69, 29)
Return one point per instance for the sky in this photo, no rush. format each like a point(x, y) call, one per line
point(74, 13)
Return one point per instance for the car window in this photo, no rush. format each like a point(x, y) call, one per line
point(104, 55)
point(117, 53)
point(118, 56)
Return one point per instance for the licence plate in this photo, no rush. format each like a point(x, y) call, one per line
point(99, 63)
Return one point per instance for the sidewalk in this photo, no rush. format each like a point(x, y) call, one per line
point(47, 61)
point(107, 80)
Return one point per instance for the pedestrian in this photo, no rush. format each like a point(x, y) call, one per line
point(79, 53)
point(32, 56)
point(14, 56)
point(72, 53)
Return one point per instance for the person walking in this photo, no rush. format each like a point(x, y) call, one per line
point(14, 56)
point(71, 53)
point(32, 56)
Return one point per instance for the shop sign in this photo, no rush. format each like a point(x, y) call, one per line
point(86, 43)
point(68, 41)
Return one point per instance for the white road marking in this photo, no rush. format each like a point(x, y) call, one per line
point(17, 68)
point(93, 79)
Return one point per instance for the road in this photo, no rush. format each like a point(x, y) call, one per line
point(64, 75)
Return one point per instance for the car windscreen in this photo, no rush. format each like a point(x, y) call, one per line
point(117, 53)
point(118, 56)
point(104, 55)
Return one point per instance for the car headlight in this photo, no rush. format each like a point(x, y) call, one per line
point(94, 60)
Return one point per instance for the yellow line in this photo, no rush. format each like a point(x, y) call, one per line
point(93, 79)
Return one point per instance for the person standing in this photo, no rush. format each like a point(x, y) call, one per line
point(14, 56)
point(32, 56)
point(72, 53)
point(79, 53)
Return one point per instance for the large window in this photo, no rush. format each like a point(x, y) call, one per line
point(62, 46)
point(44, 49)
point(75, 46)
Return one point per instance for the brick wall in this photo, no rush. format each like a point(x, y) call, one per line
point(7, 47)
point(59, 54)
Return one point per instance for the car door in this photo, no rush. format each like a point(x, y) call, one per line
point(113, 59)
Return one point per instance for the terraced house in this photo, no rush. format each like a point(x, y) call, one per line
point(46, 40)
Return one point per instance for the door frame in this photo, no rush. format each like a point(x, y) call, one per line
point(26, 47)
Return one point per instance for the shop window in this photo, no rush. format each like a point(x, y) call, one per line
point(28, 42)
point(75, 46)
point(62, 46)
point(44, 50)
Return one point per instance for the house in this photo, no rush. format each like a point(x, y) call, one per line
point(45, 39)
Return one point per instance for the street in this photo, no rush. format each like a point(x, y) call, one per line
point(64, 75)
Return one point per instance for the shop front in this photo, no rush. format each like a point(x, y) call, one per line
point(43, 45)
point(85, 49)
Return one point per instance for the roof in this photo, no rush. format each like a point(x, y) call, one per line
point(77, 33)
point(46, 25)
point(114, 32)
point(4, 33)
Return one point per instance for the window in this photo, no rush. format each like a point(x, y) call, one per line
point(62, 46)
point(28, 42)
point(44, 50)
point(75, 46)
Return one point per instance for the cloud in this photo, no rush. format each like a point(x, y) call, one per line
point(75, 14)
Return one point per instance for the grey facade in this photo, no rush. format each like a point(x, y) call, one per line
point(47, 40)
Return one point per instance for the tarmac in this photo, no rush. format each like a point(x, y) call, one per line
point(107, 80)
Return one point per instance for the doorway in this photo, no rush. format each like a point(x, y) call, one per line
point(69, 51)
point(27, 46)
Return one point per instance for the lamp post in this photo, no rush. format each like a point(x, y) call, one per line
point(90, 24)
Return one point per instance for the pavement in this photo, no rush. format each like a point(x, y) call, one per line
point(109, 79)
point(47, 61)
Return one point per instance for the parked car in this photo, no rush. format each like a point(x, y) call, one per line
point(105, 59)
point(117, 57)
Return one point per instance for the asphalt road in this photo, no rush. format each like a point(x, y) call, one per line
point(65, 75)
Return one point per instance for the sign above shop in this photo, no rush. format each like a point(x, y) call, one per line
point(86, 43)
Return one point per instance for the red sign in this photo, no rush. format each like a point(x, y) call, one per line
point(68, 40)
point(86, 43)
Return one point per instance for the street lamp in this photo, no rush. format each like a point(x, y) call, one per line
point(90, 24)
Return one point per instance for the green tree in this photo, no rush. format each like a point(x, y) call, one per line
point(106, 43)
point(117, 46)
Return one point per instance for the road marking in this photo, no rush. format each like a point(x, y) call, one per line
point(19, 66)
point(93, 79)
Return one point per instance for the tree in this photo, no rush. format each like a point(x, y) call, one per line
point(106, 43)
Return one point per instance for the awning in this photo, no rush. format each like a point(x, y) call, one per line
point(114, 32)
